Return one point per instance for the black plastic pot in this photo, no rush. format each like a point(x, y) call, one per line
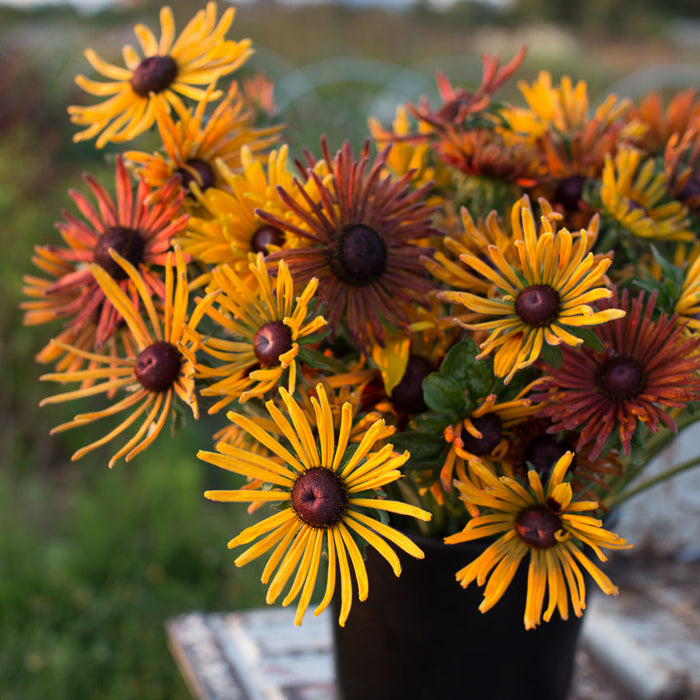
point(422, 636)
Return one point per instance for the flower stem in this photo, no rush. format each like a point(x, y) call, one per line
point(663, 476)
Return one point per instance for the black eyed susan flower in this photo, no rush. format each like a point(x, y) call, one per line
point(648, 366)
point(360, 240)
point(485, 434)
point(544, 523)
point(260, 326)
point(152, 371)
point(325, 492)
point(194, 143)
point(168, 68)
point(542, 299)
point(226, 229)
point(139, 225)
point(635, 194)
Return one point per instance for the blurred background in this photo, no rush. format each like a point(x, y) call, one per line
point(93, 561)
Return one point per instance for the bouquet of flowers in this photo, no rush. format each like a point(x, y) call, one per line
point(482, 325)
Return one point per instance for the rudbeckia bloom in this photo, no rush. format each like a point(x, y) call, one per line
point(261, 325)
point(485, 434)
point(138, 225)
point(546, 524)
point(199, 56)
point(542, 299)
point(226, 228)
point(195, 142)
point(648, 366)
point(359, 241)
point(324, 491)
point(636, 195)
point(152, 371)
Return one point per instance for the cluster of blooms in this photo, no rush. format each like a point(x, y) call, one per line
point(484, 328)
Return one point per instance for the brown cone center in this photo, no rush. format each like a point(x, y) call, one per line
point(266, 235)
point(358, 256)
point(536, 526)
point(153, 74)
point(271, 341)
point(126, 241)
point(621, 378)
point(407, 395)
point(320, 498)
point(197, 171)
point(158, 366)
point(542, 453)
point(537, 305)
point(491, 429)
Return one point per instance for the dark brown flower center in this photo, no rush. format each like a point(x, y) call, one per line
point(491, 429)
point(621, 378)
point(542, 453)
point(538, 305)
point(690, 192)
point(198, 171)
point(358, 256)
point(271, 341)
point(320, 498)
point(569, 191)
point(126, 241)
point(266, 235)
point(158, 366)
point(536, 527)
point(153, 74)
point(407, 395)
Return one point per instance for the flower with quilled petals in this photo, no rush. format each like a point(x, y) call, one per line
point(636, 195)
point(647, 367)
point(542, 299)
point(169, 68)
point(151, 372)
point(196, 144)
point(261, 325)
point(545, 523)
point(138, 225)
point(360, 240)
point(325, 492)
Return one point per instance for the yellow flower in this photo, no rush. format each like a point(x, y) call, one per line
point(324, 490)
point(260, 327)
point(228, 229)
point(196, 142)
point(153, 370)
point(542, 299)
point(544, 523)
point(199, 56)
point(636, 195)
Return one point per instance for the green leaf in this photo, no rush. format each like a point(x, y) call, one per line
point(590, 338)
point(553, 355)
point(444, 395)
point(424, 447)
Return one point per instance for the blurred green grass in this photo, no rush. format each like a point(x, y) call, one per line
point(93, 561)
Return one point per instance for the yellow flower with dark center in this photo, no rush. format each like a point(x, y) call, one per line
point(168, 68)
point(484, 435)
point(544, 523)
point(325, 492)
point(195, 142)
point(228, 230)
point(542, 299)
point(260, 326)
point(635, 194)
point(138, 224)
point(151, 373)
